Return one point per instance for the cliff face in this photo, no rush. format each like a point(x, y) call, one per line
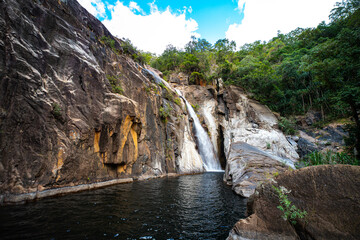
point(75, 109)
point(61, 124)
point(245, 134)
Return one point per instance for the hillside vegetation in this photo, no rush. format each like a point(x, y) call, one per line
point(306, 69)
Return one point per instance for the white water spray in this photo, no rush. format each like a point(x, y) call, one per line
point(206, 149)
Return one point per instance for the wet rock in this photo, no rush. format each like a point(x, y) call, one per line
point(329, 194)
point(251, 145)
point(305, 147)
point(205, 100)
point(312, 117)
point(329, 138)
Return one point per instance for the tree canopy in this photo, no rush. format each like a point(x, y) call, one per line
point(305, 69)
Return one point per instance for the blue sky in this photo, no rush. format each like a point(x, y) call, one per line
point(152, 25)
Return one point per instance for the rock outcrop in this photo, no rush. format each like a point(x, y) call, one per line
point(245, 134)
point(248, 166)
point(330, 194)
point(329, 138)
point(75, 109)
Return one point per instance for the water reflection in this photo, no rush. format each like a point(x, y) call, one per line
point(187, 207)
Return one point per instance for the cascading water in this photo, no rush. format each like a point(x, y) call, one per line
point(206, 149)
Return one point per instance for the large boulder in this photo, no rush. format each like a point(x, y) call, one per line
point(247, 166)
point(330, 194)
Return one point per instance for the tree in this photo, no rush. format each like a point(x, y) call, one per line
point(344, 9)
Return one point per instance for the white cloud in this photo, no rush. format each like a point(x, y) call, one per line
point(95, 7)
point(151, 32)
point(134, 6)
point(240, 5)
point(263, 18)
point(190, 9)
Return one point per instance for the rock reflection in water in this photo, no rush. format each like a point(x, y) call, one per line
point(187, 207)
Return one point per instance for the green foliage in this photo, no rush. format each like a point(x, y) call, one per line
point(56, 111)
point(109, 42)
point(351, 139)
point(344, 9)
point(329, 157)
point(196, 78)
point(169, 95)
point(130, 50)
point(290, 212)
point(195, 107)
point(115, 84)
point(148, 57)
point(177, 101)
point(162, 85)
point(268, 146)
point(287, 126)
point(196, 58)
point(190, 63)
point(165, 112)
point(305, 69)
point(152, 89)
point(224, 48)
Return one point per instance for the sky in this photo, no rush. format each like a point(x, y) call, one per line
point(151, 25)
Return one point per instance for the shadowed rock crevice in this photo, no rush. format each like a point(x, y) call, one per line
point(222, 156)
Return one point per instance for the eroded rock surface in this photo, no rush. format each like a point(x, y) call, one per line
point(330, 194)
point(248, 166)
point(63, 122)
point(248, 121)
point(245, 135)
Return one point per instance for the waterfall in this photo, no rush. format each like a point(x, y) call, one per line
point(206, 149)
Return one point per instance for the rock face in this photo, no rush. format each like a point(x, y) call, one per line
point(330, 194)
point(75, 109)
point(248, 166)
point(245, 135)
point(61, 122)
point(248, 121)
point(329, 138)
point(179, 78)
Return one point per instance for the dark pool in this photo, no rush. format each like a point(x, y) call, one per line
point(186, 207)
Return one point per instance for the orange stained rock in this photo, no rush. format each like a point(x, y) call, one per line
point(96, 142)
point(103, 157)
point(124, 132)
point(134, 137)
point(60, 161)
point(121, 168)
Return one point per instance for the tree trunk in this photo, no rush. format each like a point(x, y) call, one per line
point(302, 97)
point(357, 122)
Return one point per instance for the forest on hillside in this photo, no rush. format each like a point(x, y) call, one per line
point(305, 69)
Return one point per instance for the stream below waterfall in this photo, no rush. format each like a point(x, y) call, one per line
point(186, 207)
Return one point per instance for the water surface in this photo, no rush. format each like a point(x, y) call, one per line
point(185, 207)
